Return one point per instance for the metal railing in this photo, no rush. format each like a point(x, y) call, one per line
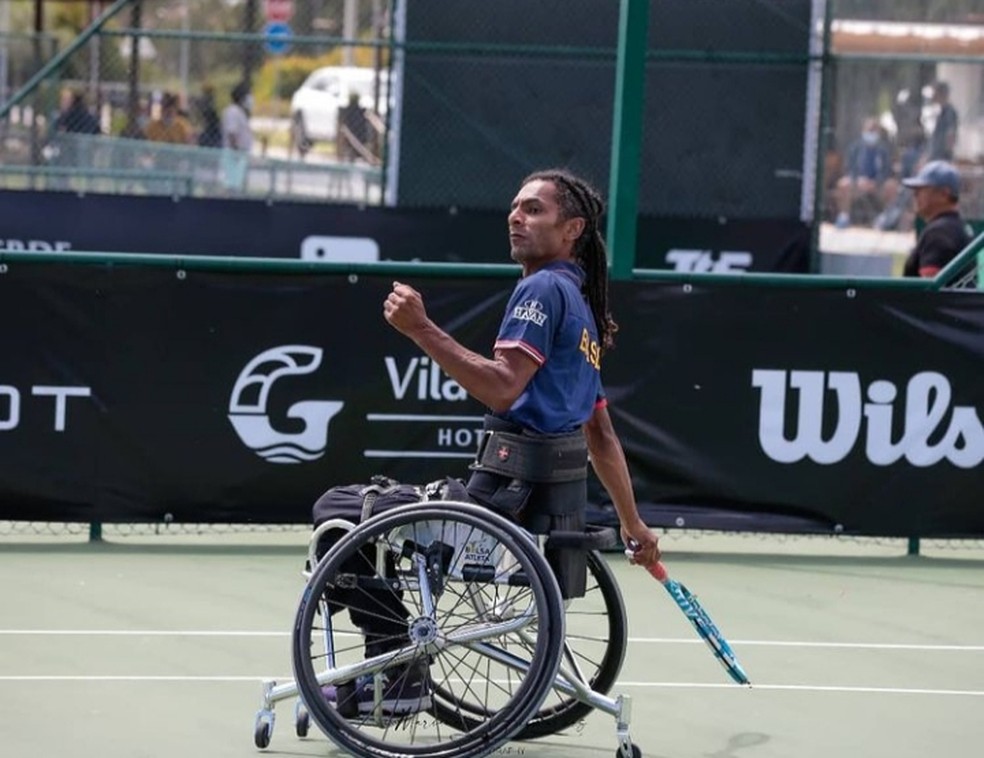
point(117, 165)
point(105, 61)
point(965, 271)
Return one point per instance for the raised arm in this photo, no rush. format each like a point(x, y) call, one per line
point(608, 459)
point(495, 382)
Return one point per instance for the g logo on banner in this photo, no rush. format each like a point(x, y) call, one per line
point(248, 406)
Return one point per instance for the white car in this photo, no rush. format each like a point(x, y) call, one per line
point(314, 106)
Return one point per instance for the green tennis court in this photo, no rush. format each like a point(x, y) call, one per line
point(156, 645)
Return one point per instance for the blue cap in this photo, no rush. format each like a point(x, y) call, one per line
point(936, 174)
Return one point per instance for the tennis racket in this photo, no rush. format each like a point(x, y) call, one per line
point(701, 622)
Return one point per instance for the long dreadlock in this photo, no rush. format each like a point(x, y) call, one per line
point(578, 199)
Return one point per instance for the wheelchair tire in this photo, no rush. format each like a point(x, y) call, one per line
point(536, 596)
point(560, 711)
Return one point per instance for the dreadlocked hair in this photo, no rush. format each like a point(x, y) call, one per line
point(578, 199)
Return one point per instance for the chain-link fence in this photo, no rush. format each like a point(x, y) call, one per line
point(481, 100)
point(21, 55)
point(512, 86)
point(450, 102)
point(207, 98)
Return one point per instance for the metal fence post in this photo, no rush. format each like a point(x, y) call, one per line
point(630, 80)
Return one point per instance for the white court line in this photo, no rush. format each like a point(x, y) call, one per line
point(147, 633)
point(794, 643)
point(632, 640)
point(647, 685)
point(134, 678)
point(808, 688)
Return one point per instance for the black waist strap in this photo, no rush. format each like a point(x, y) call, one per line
point(533, 459)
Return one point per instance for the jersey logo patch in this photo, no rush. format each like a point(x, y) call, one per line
point(531, 310)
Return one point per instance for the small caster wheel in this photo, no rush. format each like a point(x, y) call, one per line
point(302, 720)
point(636, 751)
point(263, 729)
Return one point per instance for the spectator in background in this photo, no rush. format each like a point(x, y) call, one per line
point(911, 135)
point(912, 146)
point(138, 116)
point(237, 140)
point(74, 116)
point(170, 126)
point(211, 132)
point(868, 173)
point(944, 136)
point(937, 191)
point(354, 130)
point(73, 119)
point(236, 132)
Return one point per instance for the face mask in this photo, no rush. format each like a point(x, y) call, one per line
point(248, 102)
point(870, 138)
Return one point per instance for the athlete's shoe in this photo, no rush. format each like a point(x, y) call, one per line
point(405, 690)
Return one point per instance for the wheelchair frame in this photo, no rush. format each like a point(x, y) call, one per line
point(539, 627)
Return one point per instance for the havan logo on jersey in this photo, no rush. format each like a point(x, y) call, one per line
point(531, 310)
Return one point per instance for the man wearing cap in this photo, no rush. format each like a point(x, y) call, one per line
point(937, 190)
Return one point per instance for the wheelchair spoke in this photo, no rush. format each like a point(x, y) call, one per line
point(451, 675)
point(490, 681)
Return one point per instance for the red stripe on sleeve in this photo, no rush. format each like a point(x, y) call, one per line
point(531, 351)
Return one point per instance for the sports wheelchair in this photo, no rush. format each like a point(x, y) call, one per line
point(483, 617)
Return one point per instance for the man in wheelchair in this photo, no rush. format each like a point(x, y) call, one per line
point(548, 409)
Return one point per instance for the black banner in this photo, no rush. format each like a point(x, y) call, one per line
point(145, 394)
point(856, 408)
point(57, 222)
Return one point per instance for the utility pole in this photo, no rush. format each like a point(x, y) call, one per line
point(36, 137)
point(350, 29)
point(5, 51)
point(251, 58)
point(133, 83)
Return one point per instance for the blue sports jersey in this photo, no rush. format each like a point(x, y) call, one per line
point(549, 320)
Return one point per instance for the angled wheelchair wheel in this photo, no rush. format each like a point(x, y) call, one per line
point(422, 599)
point(593, 650)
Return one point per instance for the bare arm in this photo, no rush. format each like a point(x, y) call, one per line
point(608, 460)
point(496, 381)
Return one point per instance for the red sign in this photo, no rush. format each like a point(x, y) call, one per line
point(278, 10)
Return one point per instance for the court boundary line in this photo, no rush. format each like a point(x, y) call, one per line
point(636, 640)
point(638, 685)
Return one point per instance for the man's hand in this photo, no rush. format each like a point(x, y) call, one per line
point(645, 544)
point(404, 309)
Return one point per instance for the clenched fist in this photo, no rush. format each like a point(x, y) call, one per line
point(404, 309)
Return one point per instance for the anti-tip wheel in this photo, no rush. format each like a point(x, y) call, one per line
point(302, 720)
point(262, 731)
